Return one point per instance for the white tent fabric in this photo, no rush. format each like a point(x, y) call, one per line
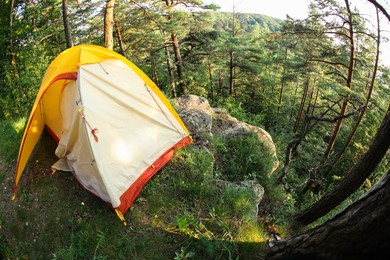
point(113, 128)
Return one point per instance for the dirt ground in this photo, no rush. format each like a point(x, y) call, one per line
point(39, 202)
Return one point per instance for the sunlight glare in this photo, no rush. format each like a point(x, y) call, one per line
point(121, 151)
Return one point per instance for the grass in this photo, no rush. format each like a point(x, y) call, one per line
point(183, 212)
point(243, 158)
point(11, 132)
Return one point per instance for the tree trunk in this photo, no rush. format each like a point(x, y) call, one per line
point(313, 182)
point(303, 100)
point(361, 231)
point(232, 72)
point(68, 36)
point(232, 64)
point(353, 180)
point(109, 24)
point(155, 74)
point(211, 82)
point(171, 78)
point(12, 51)
point(315, 102)
point(294, 100)
point(283, 80)
point(119, 37)
point(178, 59)
point(179, 64)
point(221, 85)
point(349, 85)
point(349, 139)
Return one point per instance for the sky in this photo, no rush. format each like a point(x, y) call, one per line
point(298, 9)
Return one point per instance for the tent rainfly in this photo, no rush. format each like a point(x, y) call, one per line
point(114, 127)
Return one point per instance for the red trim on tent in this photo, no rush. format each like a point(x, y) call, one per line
point(67, 75)
point(129, 196)
point(51, 132)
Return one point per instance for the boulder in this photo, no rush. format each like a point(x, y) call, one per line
point(253, 186)
point(201, 120)
point(228, 126)
point(196, 114)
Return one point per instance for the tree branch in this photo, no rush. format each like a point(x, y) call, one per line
point(336, 118)
point(380, 7)
point(329, 62)
point(337, 73)
point(354, 178)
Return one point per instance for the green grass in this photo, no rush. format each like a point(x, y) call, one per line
point(242, 158)
point(11, 133)
point(182, 212)
point(203, 210)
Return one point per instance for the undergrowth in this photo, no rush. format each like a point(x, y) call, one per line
point(11, 132)
point(242, 158)
point(192, 208)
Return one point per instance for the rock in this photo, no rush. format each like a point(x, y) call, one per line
point(256, 188)
point(258, 192)
point(196, 114)
point(202, 120)
point(228, 126)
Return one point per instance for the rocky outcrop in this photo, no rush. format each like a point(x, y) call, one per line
point(196, 114)
point(202, 120)
point(228, 126)
point(256, 189)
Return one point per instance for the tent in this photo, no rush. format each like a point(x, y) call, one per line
point(114, 127)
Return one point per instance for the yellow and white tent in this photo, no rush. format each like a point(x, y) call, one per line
point(114, 127)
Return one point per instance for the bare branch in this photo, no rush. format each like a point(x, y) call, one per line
point(335, 119)
point(329, 62)
point(380, 7)
point(336, 72)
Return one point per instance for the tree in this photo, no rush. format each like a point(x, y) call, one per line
point(119, 37)
point(348, 35)
point(176, 51)
point(12, 49)
point(232, 62)
point(380, 7)
point(336, 48)
point(361, 231)
point(37, 35)
point(68, 36)
point(109, 24)
point(353, 180)
point(364, 109)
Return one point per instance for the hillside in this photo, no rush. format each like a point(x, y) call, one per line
point(200, 204)
point(248, 20)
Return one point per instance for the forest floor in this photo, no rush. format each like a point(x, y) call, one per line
point(54, 217)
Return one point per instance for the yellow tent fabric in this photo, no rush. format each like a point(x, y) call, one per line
point(46, 109)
